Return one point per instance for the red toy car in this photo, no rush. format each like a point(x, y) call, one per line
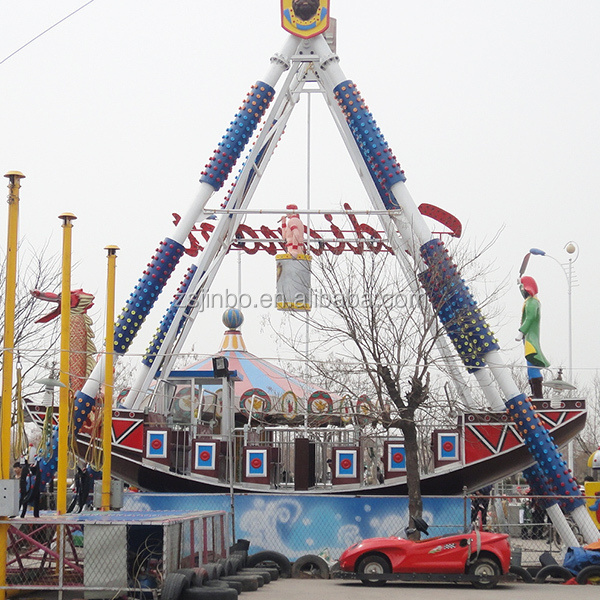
point(478, 557)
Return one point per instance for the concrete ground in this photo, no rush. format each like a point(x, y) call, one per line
point(336, 589)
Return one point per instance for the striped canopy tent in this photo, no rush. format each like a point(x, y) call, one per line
point(266, 392)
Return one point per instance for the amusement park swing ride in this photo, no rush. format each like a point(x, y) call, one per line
point(208, 443)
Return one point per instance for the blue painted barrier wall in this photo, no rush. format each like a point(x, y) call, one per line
point(298, 525)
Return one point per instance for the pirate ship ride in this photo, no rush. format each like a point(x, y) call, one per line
point(233, 451)
point(289, 436)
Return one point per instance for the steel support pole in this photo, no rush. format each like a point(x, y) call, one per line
point(8, 350)
point(64, 417)
point(108, 376)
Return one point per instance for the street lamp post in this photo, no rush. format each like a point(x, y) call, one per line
point(567, 268)
point(572, 250)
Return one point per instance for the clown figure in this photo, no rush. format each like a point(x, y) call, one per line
point(293, 232)
point(529, 332)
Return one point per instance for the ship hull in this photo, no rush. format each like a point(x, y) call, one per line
point(490, 449)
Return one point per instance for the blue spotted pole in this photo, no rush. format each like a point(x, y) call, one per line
point(378, 156)
point(167, 319)
point(168, 254)
point(559, 479)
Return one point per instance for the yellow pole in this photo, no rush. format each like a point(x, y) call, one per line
point(65, 346)
point(14, 185)
point(108, 377)
point(9, 314)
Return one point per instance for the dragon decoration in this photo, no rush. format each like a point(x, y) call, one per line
point(82, 347)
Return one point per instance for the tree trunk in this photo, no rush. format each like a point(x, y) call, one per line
point(413, 479)
point(416, 396)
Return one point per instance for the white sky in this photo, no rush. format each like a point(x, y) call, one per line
point(492, 108)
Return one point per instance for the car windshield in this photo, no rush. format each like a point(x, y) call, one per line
point(401, 533)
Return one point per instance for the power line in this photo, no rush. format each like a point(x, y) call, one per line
point(45, 31)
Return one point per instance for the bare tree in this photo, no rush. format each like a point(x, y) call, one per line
point(370, 311)
point(35, 344)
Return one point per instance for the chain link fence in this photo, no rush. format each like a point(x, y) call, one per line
point(116, 552)
point(524, 519)
point(298, 524)
point(133, 550)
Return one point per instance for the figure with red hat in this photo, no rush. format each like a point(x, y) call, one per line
point(529, 332)
point(293, 232)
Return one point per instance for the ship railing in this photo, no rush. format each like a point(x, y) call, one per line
point(282, 441)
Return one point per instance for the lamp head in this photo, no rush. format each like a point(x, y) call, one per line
point(220, 366)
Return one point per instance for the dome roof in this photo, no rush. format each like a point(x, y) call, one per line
point(265, 386)
point(255, 372)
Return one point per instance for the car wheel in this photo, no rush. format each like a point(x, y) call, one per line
point(589, 575)
point(553, 574)
point(374, 564)
point(487, 572)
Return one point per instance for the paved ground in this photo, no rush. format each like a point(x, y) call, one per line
point(335, 589)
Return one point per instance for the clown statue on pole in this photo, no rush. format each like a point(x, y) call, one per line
point(529, 332)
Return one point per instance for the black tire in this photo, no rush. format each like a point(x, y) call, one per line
point(310, 566)
point(234, 585)
point(546, 559)
point(521, 574)
point(553, 574)
point(174, 585)
point(266, 558)
point(214, 570)
point(190, 575)
point(273, 572)
point(209, 593)
point(374, 564)
point(487, 571)
point(241, 556)
point(266, 575)
point(236, 561)
point(249, 584)
point(201, 576)
point(240, 546)
point(589, 575)
point(227, 565)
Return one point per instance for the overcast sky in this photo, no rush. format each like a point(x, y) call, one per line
point(491, 107)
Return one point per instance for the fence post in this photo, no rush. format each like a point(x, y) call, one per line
point(466, 513)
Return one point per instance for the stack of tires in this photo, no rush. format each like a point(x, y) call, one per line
point(228, 577)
